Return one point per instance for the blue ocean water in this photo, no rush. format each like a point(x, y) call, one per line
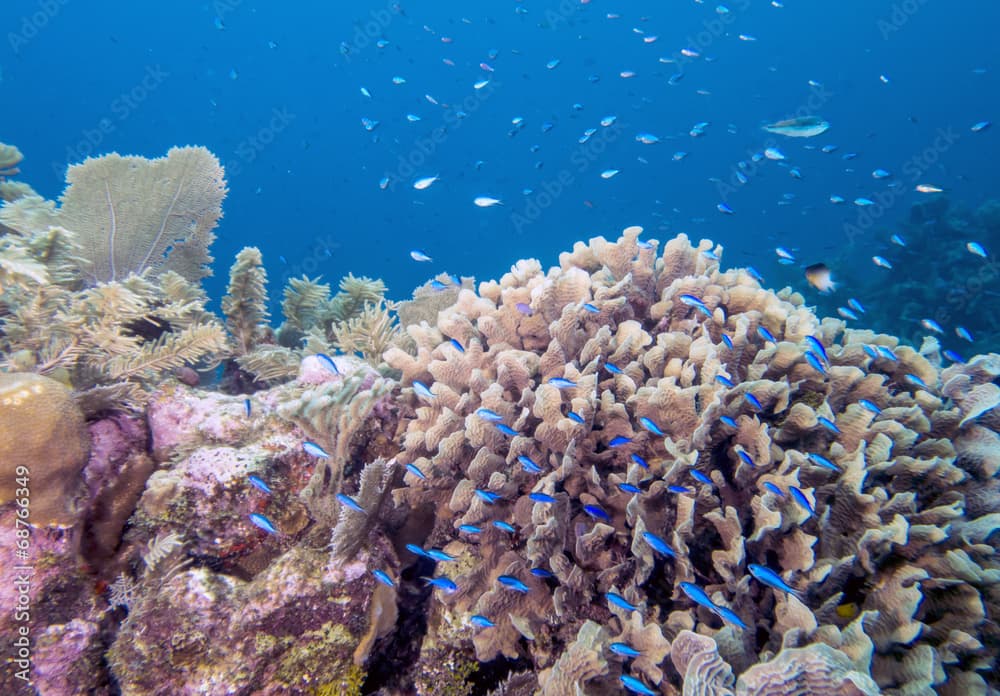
point(276, 92)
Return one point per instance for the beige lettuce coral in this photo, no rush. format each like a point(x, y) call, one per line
point(888, 493)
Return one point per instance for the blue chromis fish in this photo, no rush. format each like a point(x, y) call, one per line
point(768, 577)
point(629, 488)
point(828, 424)
point(481, 621)
point(976, 249)
point(327, 362)
point(383, 578)
point(613, 369)
point(953, 356)
point(542, 573)
point(624, 649)
point(639, 460)
point(815, 362)
point(801, 499)
point(869, 406)
point(620, 601)
point(440, 556)
point(931, 325)
point(504, 526)
point(619, 441)
point(698, 595)
point(753, 401)
point(259, 483)
point(349, 502)
point(422, 390)
point(818, 348)
point(591, 308)
point(470, 529)
point(416, 254)
point(701, 478)
point(774, 489)
point(247, 408)
point(488, 415)
point(512, 583)
point(730, 616)
point(506, 429)
point(562, 383)
point(651, 426)
point(529, 465)
point(636, 686)
point(885, 352)
point(822, 462)
point(315, 450)
point(415, 470)
point(728, 420)
point(724, 381)
point(597, 512)
point(679, 489)
point(419, 551)
point(262, 522)
point(728, 341)
point(488, 497)
point(658, 544)
point(575, 417)
point(765, 334)
point(456, 345)
point(963, 333)
point(543, 498)
point(747, 459)
point(442, 583)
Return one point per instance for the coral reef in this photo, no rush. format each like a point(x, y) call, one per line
point(632, 471)
point(112, 317)
point(664, 395)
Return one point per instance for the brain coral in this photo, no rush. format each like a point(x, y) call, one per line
point(628, 399)
point(43, 446)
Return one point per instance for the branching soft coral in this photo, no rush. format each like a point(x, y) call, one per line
point(116, 338)
point(245, 306)
point(370, 333)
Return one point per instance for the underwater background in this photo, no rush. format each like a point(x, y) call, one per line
point(508, 347)
point(275, 93)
